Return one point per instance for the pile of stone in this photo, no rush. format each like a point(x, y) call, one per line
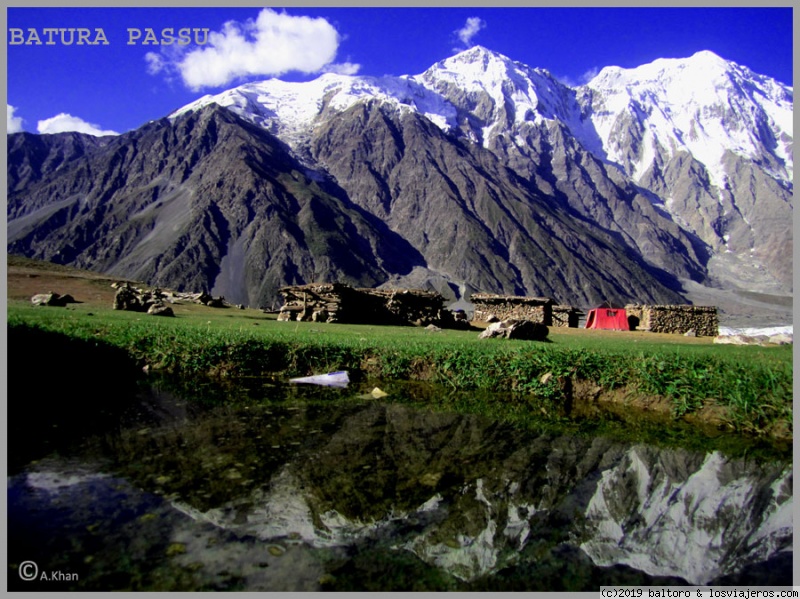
point(515, 328)
point(200, 298)
point(337, 302)
point(701, 321)
point(135, 299)
point(52, 299)
point(139, 299)
point(490, 307)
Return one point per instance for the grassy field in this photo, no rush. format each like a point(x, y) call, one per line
point(746, 388)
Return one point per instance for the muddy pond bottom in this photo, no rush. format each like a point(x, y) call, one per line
point(304, 489)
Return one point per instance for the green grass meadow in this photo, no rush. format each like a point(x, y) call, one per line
point(752, 384)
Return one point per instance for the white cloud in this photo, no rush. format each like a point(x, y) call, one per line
point(155, 63)
point(589, 75)
point(470, 30)
point(13, 123)
point(272, 44)
point(582, 80)
point(343, 68)
point(66, 122)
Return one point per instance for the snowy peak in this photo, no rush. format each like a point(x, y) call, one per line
point(477, 67)
point(703, 78)
point(703, 105)
point(636, 118)
point(479, 86)
point(497, 93)
point(703, 64)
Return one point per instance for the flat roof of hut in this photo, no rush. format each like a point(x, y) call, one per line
point(493, 298)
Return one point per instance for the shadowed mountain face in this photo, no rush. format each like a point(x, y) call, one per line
point(30, 157)
point(472, 217)
point(209, 201)
point(480, 174)
point(205, 202)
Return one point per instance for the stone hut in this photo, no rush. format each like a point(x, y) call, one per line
point(337, 302)
point(320, 302)
point(680, 319)
point(504, 307)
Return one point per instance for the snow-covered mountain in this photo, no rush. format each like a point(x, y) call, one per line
point(714, 142)
point(292, 111)
point(707, 141)
point(703, 105)
point(475, 87)
point(667, 183)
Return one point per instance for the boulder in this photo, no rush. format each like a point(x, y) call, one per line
point(739, 340)
point(319, 316)
point(52, 299)
point(782, 339)
point(160, 310)
point(48, 299)
point(516, 329)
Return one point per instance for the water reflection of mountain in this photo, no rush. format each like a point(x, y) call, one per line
point(475, 499)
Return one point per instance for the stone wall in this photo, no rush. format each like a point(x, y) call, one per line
point(680, 319)
point(566, 316)
point(337, 302)
point(504, 307)
point(412, 306)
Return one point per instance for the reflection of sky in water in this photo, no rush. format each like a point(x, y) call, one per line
point(309, 495)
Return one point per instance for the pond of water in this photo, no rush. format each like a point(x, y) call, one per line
point(284, 488)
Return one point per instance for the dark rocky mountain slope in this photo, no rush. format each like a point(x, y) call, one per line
point(205, 202)
point(210, 201)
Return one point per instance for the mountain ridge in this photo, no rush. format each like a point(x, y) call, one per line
point(477, 94)
point(471, 170)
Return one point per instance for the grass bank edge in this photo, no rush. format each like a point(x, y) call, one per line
point(754, 386)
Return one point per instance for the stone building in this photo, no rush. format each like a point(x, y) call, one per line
point(503, 307)
point(680, 319)
point(337, 302)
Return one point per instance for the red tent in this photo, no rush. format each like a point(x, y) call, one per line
point(608, 318)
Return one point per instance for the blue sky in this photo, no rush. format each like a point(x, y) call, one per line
point(117, 86)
